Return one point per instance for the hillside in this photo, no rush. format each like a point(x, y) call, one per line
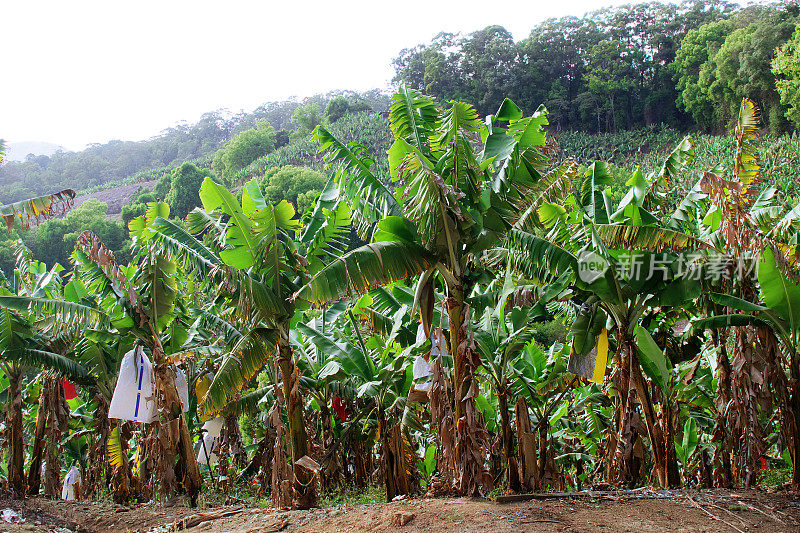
point(115, 198)
point(112, 162)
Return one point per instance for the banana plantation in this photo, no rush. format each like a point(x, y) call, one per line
point(391, 335)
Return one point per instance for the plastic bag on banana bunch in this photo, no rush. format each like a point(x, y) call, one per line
point(133, 397)
point(208, 446)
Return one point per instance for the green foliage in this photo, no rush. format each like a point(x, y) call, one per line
point(786, 67)
point(306, 118)
point(137, 204)
point(349, 497)
point(243, 149)
point(340, 106)
point(694, 71)
point(54, 240)
point(606, 70)
point(299, 186)
point(723, 62)
point(183, 193)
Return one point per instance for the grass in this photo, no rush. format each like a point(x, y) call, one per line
point(348, 497)
point(776, 476)
point(342, 498)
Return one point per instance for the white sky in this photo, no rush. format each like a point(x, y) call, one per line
point(76, 72)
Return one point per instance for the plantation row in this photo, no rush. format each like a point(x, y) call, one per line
point(406, 331)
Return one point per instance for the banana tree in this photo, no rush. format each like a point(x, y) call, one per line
point(739, 215)
point(450, 205)
point(37, 328)
point(779, 318)
point(376, 375)
point(141, 300)
point(614, 287)
point(501, 338)
point(261, 255)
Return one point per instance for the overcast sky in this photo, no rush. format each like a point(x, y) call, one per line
point(78, 72)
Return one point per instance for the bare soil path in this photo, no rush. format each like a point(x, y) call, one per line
point(115, 198)
point(674, 511)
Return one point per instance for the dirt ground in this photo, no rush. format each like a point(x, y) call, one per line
point(115, 198)
point(644, 511)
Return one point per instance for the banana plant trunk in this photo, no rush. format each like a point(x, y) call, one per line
point(795, 402)
point(332, 473)
point(507, 436)
point(305, 496)
point(16, 461)
point(98, 456)
point(471, 475)
point(387, 457)
point(35, 468)
point(722, 430)
point(658, 443)
point(170, 438)
point(57, 412)
point(624, 466)
point(787, 396)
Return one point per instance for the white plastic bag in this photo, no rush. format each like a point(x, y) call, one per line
point(69, 490)
point(183, 389)
point(208, 446)
point(133, 397)
point(420, 334)
point(421, 370)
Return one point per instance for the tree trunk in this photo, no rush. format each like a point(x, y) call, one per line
point(794, 395)
point(622, 467)
point(332, 473)
point(305, 495)
point(16, 461)
point(722, 430)
point(121, 476)
point(654, 429)
point(673, 474)
point(170, 438)
point(281, 473)
point(233, 439)
point(98, 462)
point(507, 436)
point(527, 467)
point(472, 475)
point(57, 412)
point(387, 457)
point(35, 468)
point(785, 393)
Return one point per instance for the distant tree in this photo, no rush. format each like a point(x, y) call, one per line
point(298, 185)
point(306, 117)
point(611, 76)
point(162, 187)
point(53, 241)
point(786, 67)
point(137, 204)
point(339, 106)
point(281, 138)
point(693, 71)
point(184, 195)
point(723, 62)
point(487, 65)
point(243, 149)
